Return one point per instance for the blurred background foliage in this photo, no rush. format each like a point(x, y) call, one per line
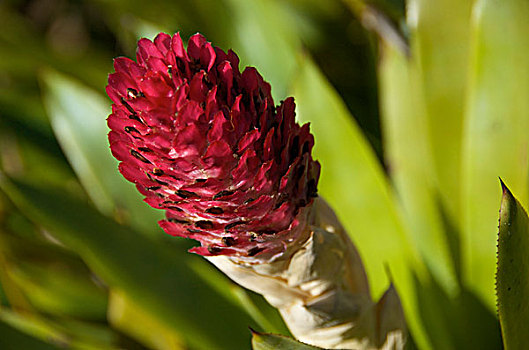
point(416, 107)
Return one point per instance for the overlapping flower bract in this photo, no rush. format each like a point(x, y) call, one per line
point(205, 142)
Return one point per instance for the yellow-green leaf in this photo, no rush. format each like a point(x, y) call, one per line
point(409, 162)
point(13, 339)
point(439, 40)
point(497, 137)
point(145, 328)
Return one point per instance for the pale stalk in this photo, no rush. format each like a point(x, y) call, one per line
point(320, 287)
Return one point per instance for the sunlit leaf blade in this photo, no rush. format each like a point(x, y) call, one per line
point(353, 182)
point(52, 279)
point(512, 276)
point(60, 290)
point(146, 329)
point(33, 325)
point(409, 161)
point(78, 117)
point(162, 282)
point(64, 332)
point(13, 339)
point(10, 292)
point(496, 131)
point(263, 341)
point(439, 39)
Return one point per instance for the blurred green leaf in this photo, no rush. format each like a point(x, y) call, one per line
point(409, 162)
point(59, 289)
point(379, 22)
point(267, 317)
point(74, 109)
point(265, 39)
point(145, 328)
point(496, 137)
point(512, 280)
point(12, 339)
point(130, 20)
point(64, 332)
point(33, 325)
point(11, 292)
point(263, 341)
point(24, 156)
point(21, 106)
point(456, 322)
point(90, 335)
point(439, 38)
point(3, 298)
point(352, 180)
point(151, 275)
point(26, 48)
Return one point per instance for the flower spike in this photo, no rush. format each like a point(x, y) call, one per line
point(205, 142)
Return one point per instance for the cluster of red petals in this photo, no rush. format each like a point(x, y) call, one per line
point(205, 142)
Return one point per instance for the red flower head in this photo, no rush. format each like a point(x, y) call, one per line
point(205, 142)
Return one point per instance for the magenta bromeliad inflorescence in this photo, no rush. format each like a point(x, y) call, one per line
point(205, 142)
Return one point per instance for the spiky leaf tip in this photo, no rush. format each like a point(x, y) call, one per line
point(512, 275)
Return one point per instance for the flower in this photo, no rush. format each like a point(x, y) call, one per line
point(204, 142)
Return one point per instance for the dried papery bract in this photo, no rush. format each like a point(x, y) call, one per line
point(321, 289)
point(206, 143)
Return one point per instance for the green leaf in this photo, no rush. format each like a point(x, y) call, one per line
point(439, 39)
point(266, 316)
point(409, 164)
point(53, 279)
point(58, 289)
point(462, 321)
point(512, 278)
point(211, 18)
point(27, 48)
point(354, 183)
point(157, 279)
point(33, 325)
point(11, 293)
point(496, 132)
point(263, 341)
point(265, 39)
point(13, 339)
point(3, 298)
point(66, 332)
point(145, 328)
point(78, 117)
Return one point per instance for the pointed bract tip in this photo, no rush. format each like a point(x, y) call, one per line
point(388, 273)
point(254, 332)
